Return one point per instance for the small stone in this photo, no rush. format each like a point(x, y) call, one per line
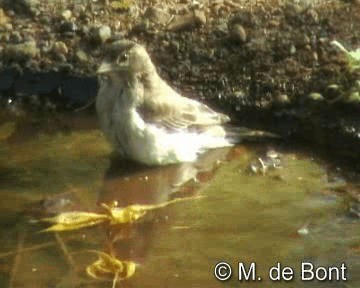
point(282, 99)
point(238, 34)
point(200, 17)
point(60, 48)
point(333, 87)
point(316, 96)
point(104, 33)
point(223, 27)
point(66, 14)
point(292, 49)
point(157, 15)
point(187, 21)
point(8, 27)
point(81, 56)
point(68, 26)
point(354, 97)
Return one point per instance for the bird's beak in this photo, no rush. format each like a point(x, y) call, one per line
point(105, 68)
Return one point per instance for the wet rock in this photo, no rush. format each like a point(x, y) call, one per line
point(60, 48)
point(157, 15)
point(190, 20)
point(238, 34)
point(68, 27)
point(104, 33)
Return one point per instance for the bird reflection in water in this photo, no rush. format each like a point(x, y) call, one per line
point(130, 183)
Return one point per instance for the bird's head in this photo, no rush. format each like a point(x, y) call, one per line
point(125, 57)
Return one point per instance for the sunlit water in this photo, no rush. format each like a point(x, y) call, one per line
point(289, 214)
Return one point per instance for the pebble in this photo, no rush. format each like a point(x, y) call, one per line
point(81, 56)
point(66, 15)
point(200, 17)
point(316, 96)
point(157, 15)
point(282, 99)
point(68, 26)
point(60, 48)
point(104, 33)
point(292, 49)
point(238, 34)
point(8, 27)
point(222, 26)
point(187, 21)
point(354, 97)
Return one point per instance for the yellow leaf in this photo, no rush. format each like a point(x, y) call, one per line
point(114, 215)
point(132, 213)
point(74, 220)
point(108, 267)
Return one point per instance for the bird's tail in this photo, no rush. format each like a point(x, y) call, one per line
point(238, 134)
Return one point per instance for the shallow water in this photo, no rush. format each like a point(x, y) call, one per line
point(291, 214)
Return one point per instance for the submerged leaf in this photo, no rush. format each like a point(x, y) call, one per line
point(108, 267)
point(74, 220)
point(132, 213)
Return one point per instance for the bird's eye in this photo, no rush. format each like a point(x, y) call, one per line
point(123, 58)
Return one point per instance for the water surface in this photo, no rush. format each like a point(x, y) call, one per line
point(290, 214)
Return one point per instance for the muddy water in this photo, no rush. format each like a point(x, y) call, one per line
point(290, 214)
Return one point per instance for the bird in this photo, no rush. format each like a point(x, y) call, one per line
point(145, 119)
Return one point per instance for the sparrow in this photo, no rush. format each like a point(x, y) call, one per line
point(144, 118)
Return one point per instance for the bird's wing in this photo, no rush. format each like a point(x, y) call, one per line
point(177, 113)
